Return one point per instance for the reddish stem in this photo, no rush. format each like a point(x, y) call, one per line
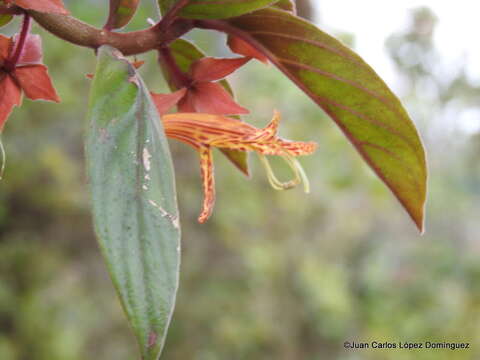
point(178, 77)
point(10, 10)
point(171, 15)
point(12, 61)
point(130, 43)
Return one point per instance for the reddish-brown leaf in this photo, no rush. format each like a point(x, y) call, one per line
point(121, 12)
point(212, 98)
point(241, 47)
point(36, 83)
point(212, 69)
point(165, 102)
point(10, 96)
point(45, 6)
point(5, 44)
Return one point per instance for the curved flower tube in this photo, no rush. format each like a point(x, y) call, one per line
point(204, 131)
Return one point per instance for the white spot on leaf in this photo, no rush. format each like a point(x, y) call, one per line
point(146, 159)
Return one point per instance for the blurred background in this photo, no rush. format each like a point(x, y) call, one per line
point(272, 275)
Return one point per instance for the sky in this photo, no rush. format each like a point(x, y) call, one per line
point(371, 21)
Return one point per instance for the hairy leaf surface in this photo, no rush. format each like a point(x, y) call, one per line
point(133, 198)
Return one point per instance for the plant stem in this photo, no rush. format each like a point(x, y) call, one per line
point(171, 15)
point(136, 42)
point(178, 77)
point(19, 44)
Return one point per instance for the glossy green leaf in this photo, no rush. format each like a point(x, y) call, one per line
point(213, 9)
point(133, 198)
point(185, 54)
point(351, 93)
point(121, 12)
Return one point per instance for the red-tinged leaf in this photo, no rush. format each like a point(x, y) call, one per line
point(36, 83)
point(5, 44)
point(287, 5)
point(212, 98)
point(185, 54)
point(45, 6)
point(241, 47)
point(32, 50)
point(10, 96)
point(121, 12)
point(164, 102)
point(354, 96)
point(212, 69)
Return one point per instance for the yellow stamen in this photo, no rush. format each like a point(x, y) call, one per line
point(299, 174)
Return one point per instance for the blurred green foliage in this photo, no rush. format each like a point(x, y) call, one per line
point(273, 275)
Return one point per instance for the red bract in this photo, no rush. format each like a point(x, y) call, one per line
point(203, 94)
point(28, 74)
point(46, 6)
point(238, 46)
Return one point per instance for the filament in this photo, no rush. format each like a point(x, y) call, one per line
point(299, 174)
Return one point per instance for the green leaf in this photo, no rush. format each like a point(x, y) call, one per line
point(185, 53)
point(121, 12)
point(351, 93)
point(133, 198)
point(5, 19)
point(213, 9)
point(166, 5)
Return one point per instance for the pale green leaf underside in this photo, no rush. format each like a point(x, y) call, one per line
point(133, 198)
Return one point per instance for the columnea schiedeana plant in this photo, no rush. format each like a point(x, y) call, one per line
point(128, 161)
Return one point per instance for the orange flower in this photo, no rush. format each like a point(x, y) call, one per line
point(204, 131)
